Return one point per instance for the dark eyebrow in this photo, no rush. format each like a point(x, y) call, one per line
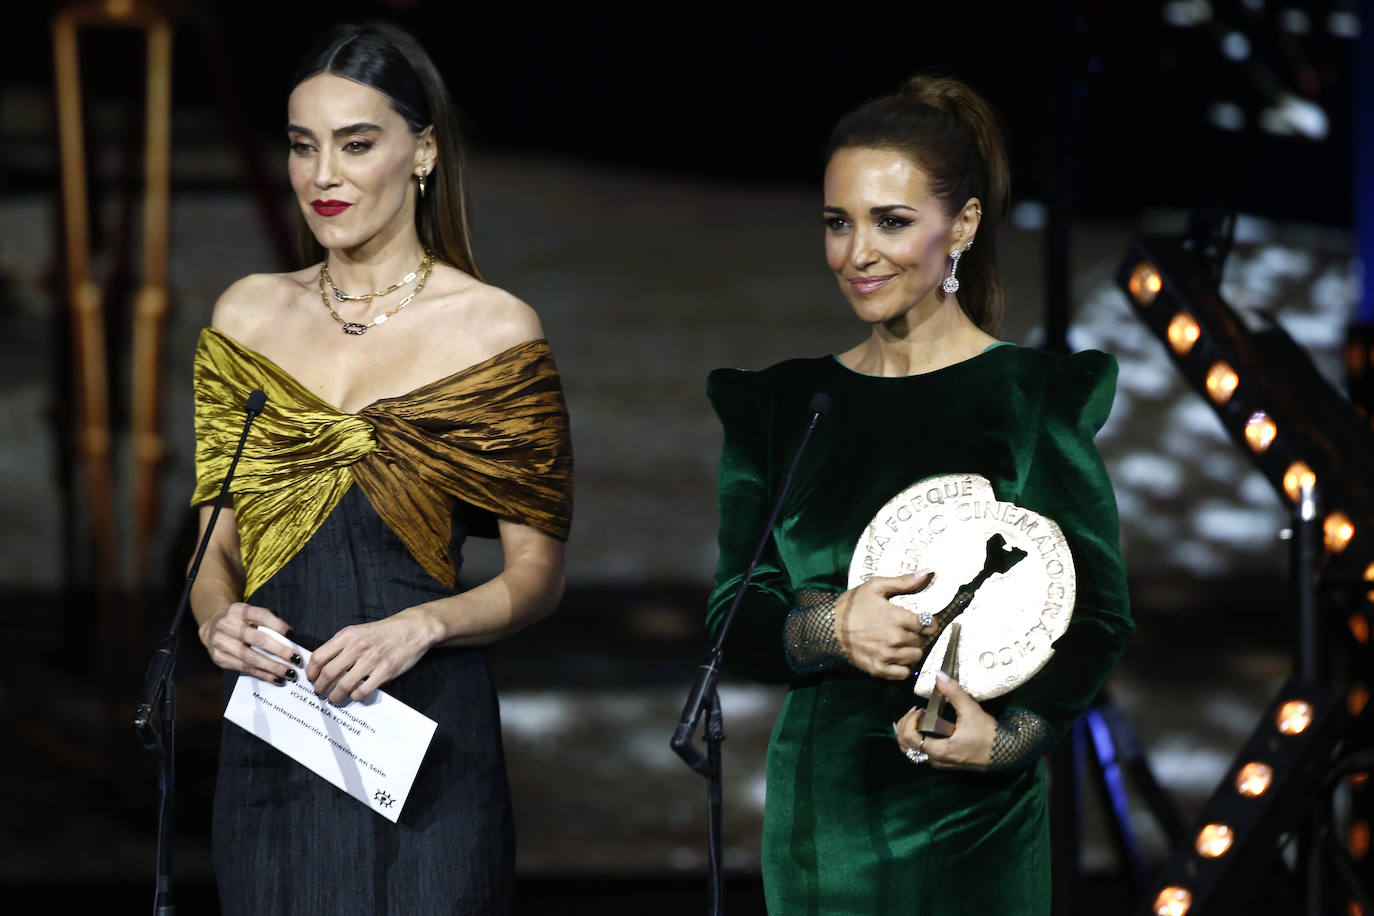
point(362, 127)
point(872, 211)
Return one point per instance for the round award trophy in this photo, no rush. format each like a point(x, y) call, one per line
point(1002, 571)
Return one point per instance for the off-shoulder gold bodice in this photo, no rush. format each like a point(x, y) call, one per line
point(493, 435)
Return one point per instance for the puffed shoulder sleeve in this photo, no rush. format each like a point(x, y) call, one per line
point(754, 648)
point(1068, 482)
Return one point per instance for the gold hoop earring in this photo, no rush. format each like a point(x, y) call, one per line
point(421, 177)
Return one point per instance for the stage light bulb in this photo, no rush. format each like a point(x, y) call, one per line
point(1173, 901)
point(1353, 908)
point(1359, 780)
point(1254, 779)
point(1260, 431)
point(1221, 382)
point(1145, 283)
point(1294, 717)
point(1358, 840)
point(1359, 627)
point(1337, 531)
point(1183, 333)
point(1214, 840)
point(1356, 699)
point(1295, 477)
point(1369, 577)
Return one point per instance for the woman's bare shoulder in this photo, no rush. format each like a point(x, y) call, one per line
point(509, 316)
point(257, 300)
point(498, 318)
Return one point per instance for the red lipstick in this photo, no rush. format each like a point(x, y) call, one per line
point(330, 207)
point(865, 285)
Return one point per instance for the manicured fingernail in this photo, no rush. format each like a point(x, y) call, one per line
point(922, 573)
point(291, 673)
point(942, 677)
point(296, 659)
point(279, 681)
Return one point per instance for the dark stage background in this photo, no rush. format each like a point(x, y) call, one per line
point(649, 181)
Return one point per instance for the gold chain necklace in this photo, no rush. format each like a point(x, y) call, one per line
point(342, 296)
point(353, 327)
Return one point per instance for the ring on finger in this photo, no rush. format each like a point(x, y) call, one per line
point(915, 755)
point(925, 618)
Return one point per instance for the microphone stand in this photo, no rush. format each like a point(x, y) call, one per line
point(703, 698)
point(158, 685)
point(1309, 665)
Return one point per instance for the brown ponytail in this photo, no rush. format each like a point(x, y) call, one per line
point(951, 134)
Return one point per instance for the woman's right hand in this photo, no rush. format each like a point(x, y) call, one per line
point(878, 637)
point(230, 635)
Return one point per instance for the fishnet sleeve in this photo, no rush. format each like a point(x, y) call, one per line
point(808, 633)
point(1021, 738)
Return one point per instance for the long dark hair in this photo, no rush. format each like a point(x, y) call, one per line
point(386, 58)
point(951, 134)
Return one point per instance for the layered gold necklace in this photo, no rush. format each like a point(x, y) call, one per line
point(352, 327)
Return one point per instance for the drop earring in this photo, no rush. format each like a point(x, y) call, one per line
point(951, 284)
point(421, 177)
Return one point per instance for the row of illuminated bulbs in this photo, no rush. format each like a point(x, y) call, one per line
point(1221, 382)
point(1253, 779)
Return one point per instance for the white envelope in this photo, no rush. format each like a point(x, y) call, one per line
point(370, 749)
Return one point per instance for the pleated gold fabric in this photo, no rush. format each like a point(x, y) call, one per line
point(494, 436)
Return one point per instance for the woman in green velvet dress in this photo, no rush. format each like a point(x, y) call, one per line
point(859, 820)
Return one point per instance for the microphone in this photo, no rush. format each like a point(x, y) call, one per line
point(257, 400)
point(160, 665)
point(709, 672)
point(820, 406)
point(703, 699)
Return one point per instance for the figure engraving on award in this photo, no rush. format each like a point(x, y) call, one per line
point(1003, 570)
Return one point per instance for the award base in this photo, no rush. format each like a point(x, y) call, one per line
point(933, 721)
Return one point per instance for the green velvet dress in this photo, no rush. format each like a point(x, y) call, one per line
point(850, 825)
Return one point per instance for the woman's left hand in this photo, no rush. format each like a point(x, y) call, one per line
point(361, 658)
point(969, 746)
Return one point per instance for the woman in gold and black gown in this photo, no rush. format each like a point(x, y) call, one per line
point(402, 416)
